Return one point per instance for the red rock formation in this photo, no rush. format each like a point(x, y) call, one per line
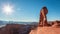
point(56, 24)
point(14, 28)
point(43, 18)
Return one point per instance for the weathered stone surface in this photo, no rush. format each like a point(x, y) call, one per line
point(43, 18)
point(56, 24)
point(15, 29)
point(45, 30)
point(53, 26)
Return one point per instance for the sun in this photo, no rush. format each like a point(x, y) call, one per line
point(7, 9)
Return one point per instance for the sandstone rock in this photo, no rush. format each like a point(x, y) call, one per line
point(43, 18)
point(56, 24)
point(43, 22)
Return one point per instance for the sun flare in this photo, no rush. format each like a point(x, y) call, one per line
point(7, 9)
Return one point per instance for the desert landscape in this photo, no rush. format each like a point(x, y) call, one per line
point(46, 27)
point(29, 16)
point(43, 27)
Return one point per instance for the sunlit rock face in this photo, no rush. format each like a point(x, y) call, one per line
point(56, 24)
point(52, 27)
point(43, 17)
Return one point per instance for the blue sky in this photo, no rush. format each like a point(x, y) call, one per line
point(29, 10)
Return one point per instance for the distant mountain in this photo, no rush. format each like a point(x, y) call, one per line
point(13, 22)
point(3, 22)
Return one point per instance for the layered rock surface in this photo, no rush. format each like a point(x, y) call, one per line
point(43, 18)
point(44, 27)
point(46, 30)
